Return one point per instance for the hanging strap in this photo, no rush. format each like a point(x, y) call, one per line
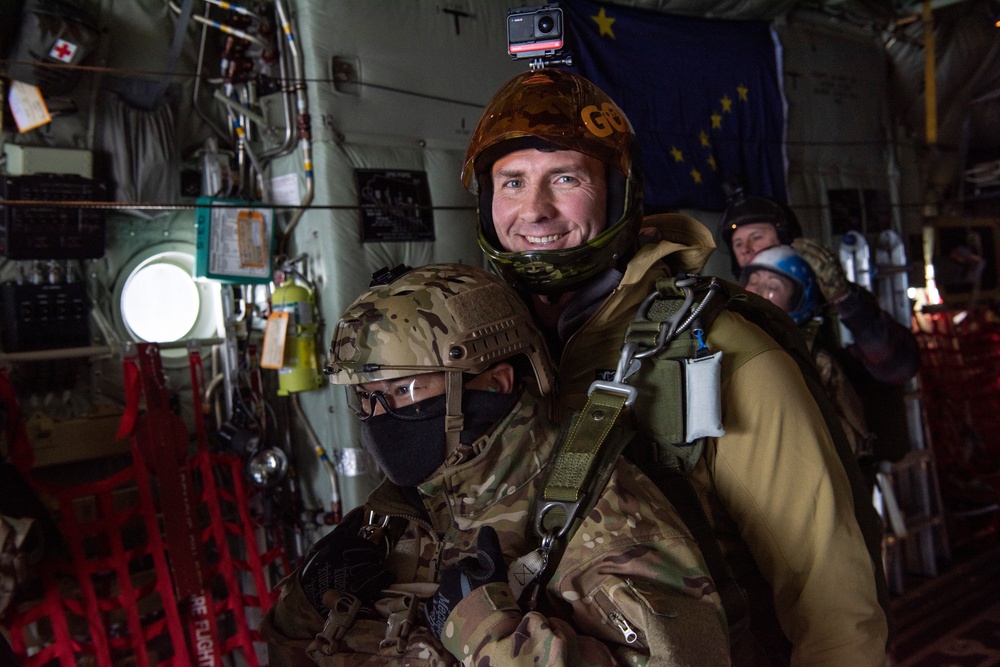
point(148, 95)
point(573, 482)
point(572, 486)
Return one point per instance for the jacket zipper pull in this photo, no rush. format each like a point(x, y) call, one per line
point(621, 623)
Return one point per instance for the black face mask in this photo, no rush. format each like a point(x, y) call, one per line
point(408, 452)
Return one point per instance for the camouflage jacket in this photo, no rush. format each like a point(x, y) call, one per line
point(631, 567)
point(775, 492)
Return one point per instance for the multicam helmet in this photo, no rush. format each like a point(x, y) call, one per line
point(440, 317)
point(561, 110)
point(746, 209)
point(784, 261)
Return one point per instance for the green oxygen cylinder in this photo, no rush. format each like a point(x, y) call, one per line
point(300, 367)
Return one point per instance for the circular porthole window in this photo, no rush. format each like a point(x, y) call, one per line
point(160, 302)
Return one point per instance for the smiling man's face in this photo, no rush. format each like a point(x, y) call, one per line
point(548, 200)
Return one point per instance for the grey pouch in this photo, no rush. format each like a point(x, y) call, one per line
point(53, 33)
point(703, 397)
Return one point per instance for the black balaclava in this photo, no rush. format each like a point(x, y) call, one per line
point(408, 451)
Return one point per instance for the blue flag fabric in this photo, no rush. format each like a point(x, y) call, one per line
point(704, 97)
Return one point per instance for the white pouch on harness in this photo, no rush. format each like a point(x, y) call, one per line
point(703, 398)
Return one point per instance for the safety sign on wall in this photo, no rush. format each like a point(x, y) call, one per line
point(395, 205)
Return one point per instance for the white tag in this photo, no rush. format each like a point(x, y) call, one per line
point(702, 382)
point(273, 353)
point(285, 190)
point(524, 570)
point(27, 106)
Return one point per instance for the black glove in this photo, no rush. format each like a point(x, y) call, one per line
point(465, 576)
point(347, 562)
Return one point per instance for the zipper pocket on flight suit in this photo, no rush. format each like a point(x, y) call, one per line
point(629, 630)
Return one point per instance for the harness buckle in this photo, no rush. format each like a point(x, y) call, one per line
point(402, 615)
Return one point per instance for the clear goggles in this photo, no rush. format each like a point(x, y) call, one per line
point(409, 398)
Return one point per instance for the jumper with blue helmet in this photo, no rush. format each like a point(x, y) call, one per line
point(784, 261)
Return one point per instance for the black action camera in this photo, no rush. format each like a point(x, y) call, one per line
point(535, 32)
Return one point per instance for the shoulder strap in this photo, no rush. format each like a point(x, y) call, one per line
point(673, 320)
point(577, 474)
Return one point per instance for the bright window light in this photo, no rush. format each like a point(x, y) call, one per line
point(160, 302)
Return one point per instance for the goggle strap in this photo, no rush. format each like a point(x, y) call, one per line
point(454, 421)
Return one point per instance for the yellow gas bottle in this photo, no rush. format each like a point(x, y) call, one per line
point(300, 367)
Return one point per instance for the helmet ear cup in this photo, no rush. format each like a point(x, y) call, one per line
point(487, 230)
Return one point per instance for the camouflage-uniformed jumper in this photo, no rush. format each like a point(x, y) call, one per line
point(631, 555)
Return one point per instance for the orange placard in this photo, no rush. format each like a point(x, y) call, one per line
point(273, 354)
point(251, 239)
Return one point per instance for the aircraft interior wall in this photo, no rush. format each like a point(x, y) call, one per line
point(419, 78)
point(392, 90)
point(839, 130)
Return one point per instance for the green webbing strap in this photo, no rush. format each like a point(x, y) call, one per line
point(574, 462)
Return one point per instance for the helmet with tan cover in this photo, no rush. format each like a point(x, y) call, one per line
point(439, 317)
point(556, 109)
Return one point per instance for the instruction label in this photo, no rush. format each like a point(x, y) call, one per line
point(395, 206)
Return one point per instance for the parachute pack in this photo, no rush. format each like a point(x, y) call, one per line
point(670, 331)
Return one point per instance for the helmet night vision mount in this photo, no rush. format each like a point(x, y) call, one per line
point(537, 33)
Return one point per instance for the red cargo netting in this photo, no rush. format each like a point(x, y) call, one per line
point(960, 378)
point(165, 563)
point(113, 600)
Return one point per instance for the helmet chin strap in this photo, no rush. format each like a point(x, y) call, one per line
point(453, 420)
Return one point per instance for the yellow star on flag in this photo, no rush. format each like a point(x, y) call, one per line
point(696, 175)
point(716, 121)
point(712, 164)
point(742, 90)
point(604, 22)
point(727, 104)
point(676, 152)
point(703, 137)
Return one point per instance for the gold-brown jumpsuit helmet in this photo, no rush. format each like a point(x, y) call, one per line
point(559, 110)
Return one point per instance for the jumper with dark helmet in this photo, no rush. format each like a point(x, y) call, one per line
point(746, 209)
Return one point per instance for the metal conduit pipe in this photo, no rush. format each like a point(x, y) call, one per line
point(222, 27)
point(303, 123)
point(335, 503)
point(221, 133)
point(287, 101)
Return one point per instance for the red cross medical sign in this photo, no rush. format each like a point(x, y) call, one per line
point(62, 51)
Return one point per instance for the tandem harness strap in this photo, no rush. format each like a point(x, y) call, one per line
point(588, 453)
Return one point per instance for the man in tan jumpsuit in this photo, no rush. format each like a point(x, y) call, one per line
point(554, 163)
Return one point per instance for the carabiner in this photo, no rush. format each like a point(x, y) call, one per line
point(670, 326)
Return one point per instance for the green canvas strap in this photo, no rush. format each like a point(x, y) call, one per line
point(579, 471)
point(671, 308)
point(576, 459)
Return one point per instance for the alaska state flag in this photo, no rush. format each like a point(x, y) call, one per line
point(704, 97)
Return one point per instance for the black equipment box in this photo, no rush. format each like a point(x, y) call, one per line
point(51, 232)
point(44, 317)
